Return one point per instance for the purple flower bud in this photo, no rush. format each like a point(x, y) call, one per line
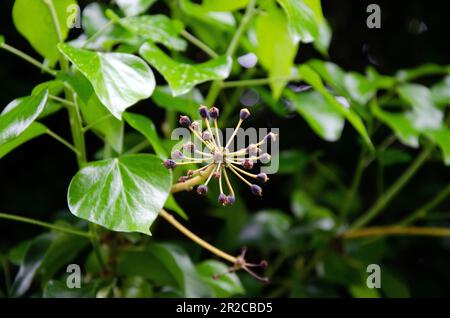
point(183, 179)
point(247, 164)
point(202, 189)
point(185, 121)
point(222, 199)
point(256, 190)
point(190, 173)
point(252, 150)
point(176, 154)
point(270, 137)
point(265, 157)
point(216, 175)
point(244, 113)
point(214, 112)
point(195, 125)
point(203, 111)
point(189, 147)
point(230, 200)
point(169, 163)
point(206, 135)
point(262, 177)
point(263, 264)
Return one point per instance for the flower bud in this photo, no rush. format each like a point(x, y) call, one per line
point(195, 125)
point(189, 147)
point(252, 150)
point(256, 190)
point(222, 199)
point(176, 154)
point(270, 137)
point(262, 177)
point(206, 135)
point(244, 113)
point(230, 200)
point(185, 121)
point(247, 164)
point(203, 111)
point(214, 112)
point(202, 189)
point(263, 264)
point(169, 163)
point(183, 179)
point(265, 157)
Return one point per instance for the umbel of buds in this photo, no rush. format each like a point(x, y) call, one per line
point(219, 160)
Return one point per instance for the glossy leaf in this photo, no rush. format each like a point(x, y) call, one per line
point(33, 19)
point(136, 287)
point(422, 70)
point(34, 130)
point(224, 286)
point(321, 116)
point(274, 47)
point(308, 75)
point(171, 204)
point(441, 137)
point(303, 24)
point(323, 39)
point(58, 289)
point(134, 7)
point(119, 80)
point(30, 264)
point(332, 74)
point(440, 92)
point(359, 87)
point(19, 115)
point(54, 87)
point(122, 194)
point(221, 6)
point(186, 104)
point(156, 28)
point(183, 77)
point(146, 127)
point(220, 20)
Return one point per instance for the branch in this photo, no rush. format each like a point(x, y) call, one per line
point(396, 230)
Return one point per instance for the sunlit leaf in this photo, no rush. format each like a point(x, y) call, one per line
point(441, 137)
point(34, 130)
point(33, 19)
point(440, 92)
point(359, 87)
point(218, 19)
point(183, 77)
point(303, 24)
point(17, 116)
point(134, 7)
point(221, 6)
point(119, 80)
point(122, 194)
point(422, 70)
point(225, 285)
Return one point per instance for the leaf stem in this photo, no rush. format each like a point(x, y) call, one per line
point(202, 46)
point(55, 19)
point(396, 230)
point(61, 100)
point(62, 140)
point(187, 185)
point(394, 189)
point(28, 58)
point(44, 224)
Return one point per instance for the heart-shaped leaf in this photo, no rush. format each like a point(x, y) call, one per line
point(33, 19)
point(34, 130)
point(122, 194)
point(183, 77)
point(156, 28)
point(19, 115)
point(118, 79)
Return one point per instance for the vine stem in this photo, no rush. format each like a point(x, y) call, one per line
point(62, 141)
point(396, 230)
point(202, 46)
point(28, 58)
point(187, 185)
point(398, 185)
point(44, 224)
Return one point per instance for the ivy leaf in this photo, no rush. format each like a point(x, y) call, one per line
point(359, 87)
point(122, 194)
point(225, 285)
point(332, 74)
point(134, 7)
point(303, 24)
point(441, 137)
point(323, 39)
point(19, 115)
point(441, 92)
point(171, 204)
point(183, 77)
point(146, 127)
point(156, 28)
point(119, 80)
point(34, 130)
point(33, 19)
point(58, 289)
point(274, 47)
point(222, 6)
point(187, 103)
point(321, 116)
point(311, 77)
point(218, 19)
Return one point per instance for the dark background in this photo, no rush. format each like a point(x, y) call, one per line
point(34, 178)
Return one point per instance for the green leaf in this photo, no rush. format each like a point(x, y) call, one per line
point(34, 130)
point(441, 137)
point(33, 19)
point(58, 289)
point(390, 157)
point(156, 28)
point(54, 87)
point(146, 127)
point(440, 92)
point(171, 204)
point(119, 80)
point(274, 48)
point(222, 6)
point(186, 104)
point(362, 291)
point(183, 77)
point(422, 70)
point(292, 161)
point(221, 20)
point(426, 115)
point(17, 116)
point(2, 40)
point(323, 39)
point(122, 194)
point(30, 264)
point(134, 7)
point(225, 285)
point(321, 116)
point(136, 287)
point(310, 76)
point(359, 87)
point(332, 74)
point(303, 24)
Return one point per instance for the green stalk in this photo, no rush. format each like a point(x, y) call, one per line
point(202, 46)
point(45, 224)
